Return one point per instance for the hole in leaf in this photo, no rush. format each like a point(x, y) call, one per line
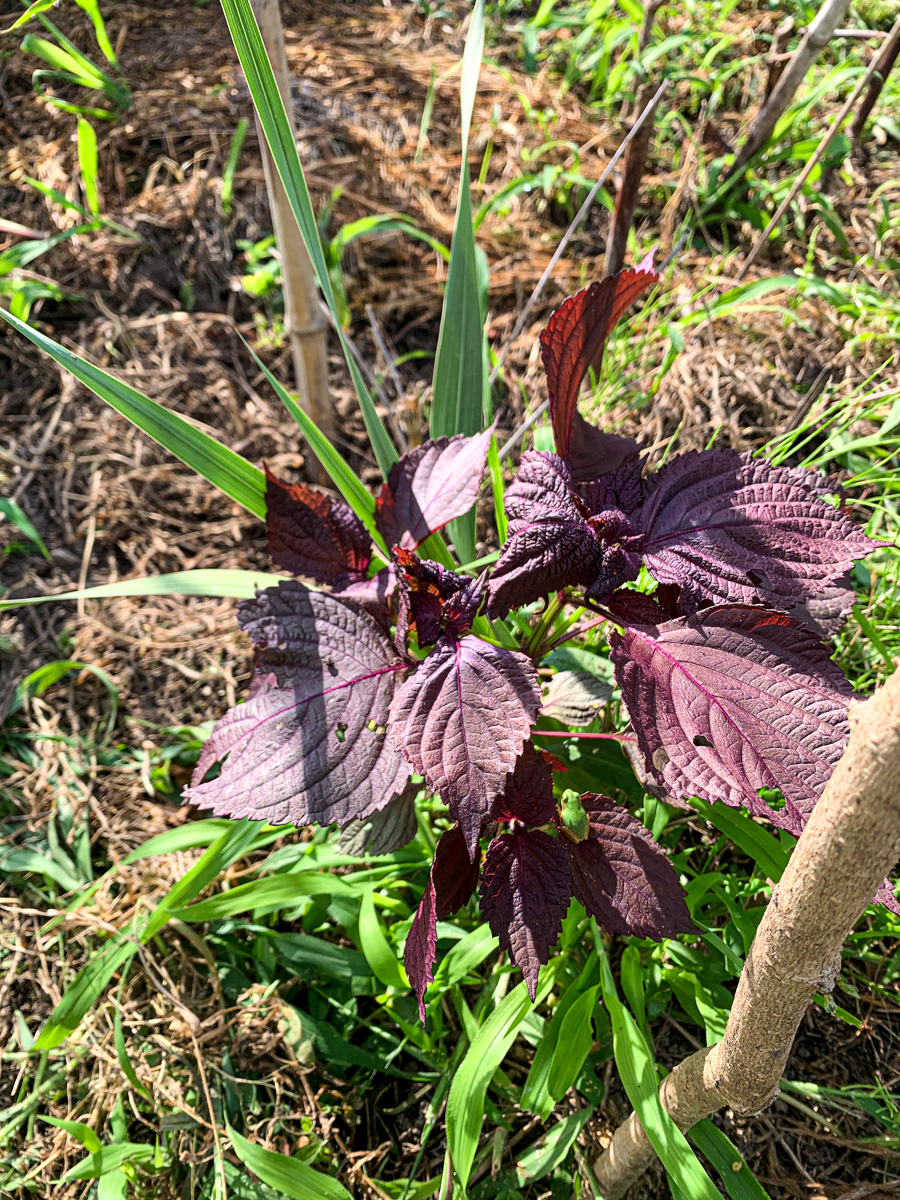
point(700, 740)
point(341, 730)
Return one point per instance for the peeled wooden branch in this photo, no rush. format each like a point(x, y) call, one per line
point(306, 327)
point(851, 842)
point(815, 40)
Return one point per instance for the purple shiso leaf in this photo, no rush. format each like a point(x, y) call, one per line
point(528, 794)
point(461, 720)
point(622, 489)
point(885, 896)
point(826, 613)
point(726, 526)
point(431, 485)
point(732, 700)
point(311, 746)
point(594, 453)
point(384, 831)
point(574, 340)
point(374, 595)
point(550, 544)
point(311, 533)
point(556, 541)
point(623, 878)
point(525, 891)
point(451, 881)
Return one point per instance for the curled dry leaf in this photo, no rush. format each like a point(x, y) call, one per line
point(575, 697)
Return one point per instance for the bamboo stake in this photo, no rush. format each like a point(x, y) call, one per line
point(816, 158)
point(306, 328)
point(850, 843)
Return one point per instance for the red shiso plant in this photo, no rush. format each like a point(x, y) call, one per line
point(405, 673)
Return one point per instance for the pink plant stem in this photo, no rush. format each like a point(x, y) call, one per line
point(609, 737)
point(572, 633)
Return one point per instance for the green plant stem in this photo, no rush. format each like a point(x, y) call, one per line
point(552, 611)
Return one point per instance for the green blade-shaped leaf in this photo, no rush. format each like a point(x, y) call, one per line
point(84, 991)
point(289, 1175)
point(241, 585)
point(277, 129)
point(638, 1074)
point(738, 1180)
point(233, 475)
point(459, 364)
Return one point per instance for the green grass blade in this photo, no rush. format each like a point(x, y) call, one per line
point(465, 1104)
point(15, 514)
point(378, 951)
point(84, 991)
point(220, 466)
point(37, 7)
point(87, 161)
point(641, 1083)
point(234, 155)
point(344, 479)
point(241, 585)
point(738, 1180)
point(763, 847)
point(290, 1176)
point(264, 896)
point(277, 129)
point(459, 363)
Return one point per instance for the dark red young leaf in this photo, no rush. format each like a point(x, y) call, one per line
point(429, 486)
point(455, 875)
point(525, 891)
point(311, 745)
point(461, 720)
point(550, 544)
point(451, 881)
point(313, 534)
point(593, 453)
point(528, 795)
point(622, 489)
point(732, 700)
point(624, 878)
point(424, 586)
point(727, 526)
point(574, 338)
point(421, 946)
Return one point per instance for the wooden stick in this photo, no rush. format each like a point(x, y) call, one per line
point(850, 843)
point(306, 328)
